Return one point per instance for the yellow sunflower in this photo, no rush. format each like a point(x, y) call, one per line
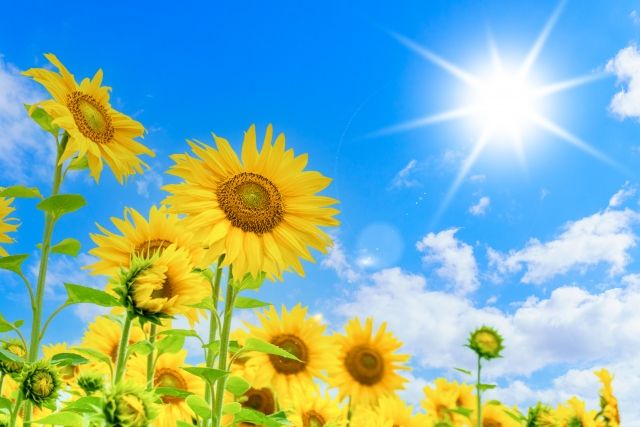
point(168, 373)
point(574, 414)
point(310, 409)
point(259, 399)
point(95, 129)
point(68, 373)
point(494, 415)
point(446, 396)
point(366, 365)
point(395, 412)
point(104, 335)
point(608, 402)
point(301, 336)
point(262, 213)
point(5, 223)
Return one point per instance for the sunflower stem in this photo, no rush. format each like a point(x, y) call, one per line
point(49, 222)
point(1, 382)
point(349, 412)
point(478, 394)
point(15, 410)
point(213, 322)
point(151, 356)
point(216, 405)
point(121, 361)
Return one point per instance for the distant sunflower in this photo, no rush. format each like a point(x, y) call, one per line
point(442, 399)
point(395, 412)
point(168, 373)
point(301, 336)
point(95, 129)
point(104, 334)
point(608, 402)
point(495, 416)
point(6, 225)
point(139, 236)
point(262, 213)
point(366, 365)
point(310, 409)
point(574, 414)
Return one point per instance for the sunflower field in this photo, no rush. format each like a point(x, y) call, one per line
point(232, 222)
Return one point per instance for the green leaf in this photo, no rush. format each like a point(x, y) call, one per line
point(68, 359)
point(64, 418)
point(237, 385)
point(21, 191)
point(79, 163)
point(42, 118)
point(77, 294)
point(199, 406)
point(249, 282)
point(484, 387)
point(255, 344)
point(180, 423)
point(170, 344)
point(255, 417)
point(244, 302)
point(231, 408)
point(205, 304)
point(462, 411)
point(515, 415)
point(85, 404)
point(5, 404)
point(94, 354)
point(208, 374)
point(464, 371)
point(10, 357)
point(143, 348)
point(173, 392)
point(67, 247)
point(180, 333)
point(13, 262)
point(6, 326)
point(61, 204)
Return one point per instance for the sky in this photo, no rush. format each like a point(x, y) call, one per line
point(538, 239)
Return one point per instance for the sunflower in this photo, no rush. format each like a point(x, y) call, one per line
point(608, 402)
point(142, 237)
point(366, 365)
point(94, 128)
point(301, 336)
point(310, 409)
point(168, 373)
point(5, 223)
point(574, 414)
point(444, 397)
point(486, 342)
point(396, 411)
point(263, 213)
point(104, 334)
point(260, 399)
point(494, 415)
point(68, 373)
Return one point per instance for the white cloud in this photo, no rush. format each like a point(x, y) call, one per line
point(404, 179)
point(150, 180)
point(544, 193)
point(457, 263)
point(621, 196)
point(478, 178)
point(626, 67)
point(26, 152)
point(602, 238)
point(336, 260)
point(635, 17)
point(480, 208)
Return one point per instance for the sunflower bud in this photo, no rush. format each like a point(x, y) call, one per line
point(14, 347)
point(486, 342)
point(129, 405)
point(40, 383)
point(90, 382)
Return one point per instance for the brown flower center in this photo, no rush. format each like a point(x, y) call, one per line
point(150, 247)
point(365, 364)
point(91, 117)
point(251, 202)
point(261, 400)
point(170, 378)
point(313, 419)
point(293, 345)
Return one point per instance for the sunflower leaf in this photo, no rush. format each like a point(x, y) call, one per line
point(67, 247)
point(249, 282)
point(244, 302)
point(68, 359)
point(173, 392)
point(13, 262)
point(199, 406)
point(63, 418)
point(464, 371)
point(77, 294)
point(42, 118)
point(10, 357)
point(208, 374)
point(462, 411)
point(237, 385)
point(231, 408)
point(170, 344)
point(94, 354)
point(21, 191)
point(79, 163)
point(142, 348)
point(255, 417)
point(85, 404)
point(484, 387)
point(61, 204)
point(6, 326)
point(5, 404)
point(255, 344)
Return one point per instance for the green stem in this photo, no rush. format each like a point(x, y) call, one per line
point(478, 395)
point(213, 322)
point(15, 410)
point(151, 357)
point(121, 360)
point(46, 323)
point(1, 382)
point(216, 404)
point(349, 412)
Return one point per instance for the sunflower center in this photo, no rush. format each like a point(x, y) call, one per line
point(170, 378)
point(261, 400)
point(164, 292)
point(313, 419)
point(365, 364)
point(293, 345)
point(251, 202)
point(151, 247)
point(42, 384)
point(91, 117)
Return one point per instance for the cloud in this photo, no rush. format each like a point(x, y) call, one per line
point(478, 178)
point(26, 152)
point(605, 237)
point(626, 67)
point(625, 193)
point(481, 207)
point(149, 180)
point(635, 17)
point(336, 260)
point(403, 179)
point(457, 263)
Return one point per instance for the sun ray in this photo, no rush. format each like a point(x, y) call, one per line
point(540, 41)
point(423, 121)
point(567, 84)
point(452, 69)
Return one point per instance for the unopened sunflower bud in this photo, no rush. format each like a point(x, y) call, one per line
point(129, 405)
point(90, 383)
point(4, 420)
point(40, 383)
point(8, 366)
point(486, 342)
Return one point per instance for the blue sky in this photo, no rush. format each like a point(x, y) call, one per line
point(548, 253)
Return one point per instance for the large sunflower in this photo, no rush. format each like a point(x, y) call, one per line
point(104, 334)
point(95, 129)
point(6, 225)
point(366, 365)
point(311, 409)
point(168, 373)
point(301, 336)
point(262, 213)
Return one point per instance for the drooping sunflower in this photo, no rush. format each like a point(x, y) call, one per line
point(261, 213)
point(169, 373)
point(142, 237)
point(300, 335)
point(608, 402)
point(104, 334)
point(311, 409)
point(441, 401)
point(95, 129)
point(7, 225)
point(366, 367)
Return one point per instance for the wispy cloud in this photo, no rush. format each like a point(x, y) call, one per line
point(626, 66)
point(621, 196)
point(480, 208)
point(405, 178)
